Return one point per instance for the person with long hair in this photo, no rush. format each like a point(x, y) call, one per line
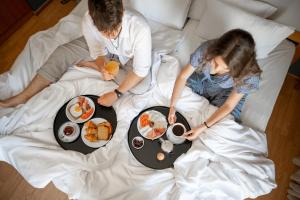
point(224, 71)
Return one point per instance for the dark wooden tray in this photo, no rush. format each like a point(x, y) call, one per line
point(107, 113)
point(147, 154)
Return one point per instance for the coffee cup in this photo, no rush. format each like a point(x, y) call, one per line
point(175, 133)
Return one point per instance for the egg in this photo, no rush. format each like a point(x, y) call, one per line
point(160, 156)
point(76, 110)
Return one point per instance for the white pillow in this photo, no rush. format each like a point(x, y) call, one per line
point(258, 8)
point(164, 38)
point(220, 17)
point(172, 13)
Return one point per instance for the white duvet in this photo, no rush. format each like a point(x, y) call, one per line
point(228, 161)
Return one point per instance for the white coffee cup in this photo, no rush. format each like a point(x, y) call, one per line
point(175, 133)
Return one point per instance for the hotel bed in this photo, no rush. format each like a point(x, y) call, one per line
point(228, 161)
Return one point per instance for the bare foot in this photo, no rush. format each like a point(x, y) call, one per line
point(13, 101)
point(36, 85)
point(3, 104)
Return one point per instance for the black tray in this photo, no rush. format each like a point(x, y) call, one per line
point(147, 154)
point(107, 113)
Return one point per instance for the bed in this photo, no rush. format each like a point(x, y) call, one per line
point(229, 161)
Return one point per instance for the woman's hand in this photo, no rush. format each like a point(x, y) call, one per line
point(195, 132)
point(172, 115)
point(108, 99)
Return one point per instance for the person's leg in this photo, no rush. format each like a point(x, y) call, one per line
point(56, 65)
point(37, 84)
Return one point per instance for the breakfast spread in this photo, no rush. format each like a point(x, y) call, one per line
point(100, 131)
point(96, 132)
point(152, 124)
point(81, 109)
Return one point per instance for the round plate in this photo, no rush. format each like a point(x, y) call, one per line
point(74, 101)
point(97, 144)
point(156, 121)
point(68, 138)
point(147, 155)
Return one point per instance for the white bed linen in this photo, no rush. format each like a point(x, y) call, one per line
point(259, 105)
point(228, 161)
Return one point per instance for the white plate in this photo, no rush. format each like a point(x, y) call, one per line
point(74, 101)
point(97, 144)
point(68, 138)
point(159, 120)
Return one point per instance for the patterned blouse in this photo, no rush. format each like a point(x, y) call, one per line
point(249, 84)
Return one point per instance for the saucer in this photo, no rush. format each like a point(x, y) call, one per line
point(171, 137)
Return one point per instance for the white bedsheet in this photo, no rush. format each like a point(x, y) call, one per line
point(259, 105)
point(228, 161)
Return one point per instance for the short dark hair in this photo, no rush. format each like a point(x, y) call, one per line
point(237, 48)
point(106, 14)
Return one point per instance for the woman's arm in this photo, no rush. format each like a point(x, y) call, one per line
point(178, 87)
point(222, 112)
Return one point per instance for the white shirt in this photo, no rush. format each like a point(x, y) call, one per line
point(134, 41)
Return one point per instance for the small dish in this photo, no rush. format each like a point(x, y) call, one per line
point(68, 132)
point(137, 142)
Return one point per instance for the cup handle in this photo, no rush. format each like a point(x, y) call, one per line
point(161, 140)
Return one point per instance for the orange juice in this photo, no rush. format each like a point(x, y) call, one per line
point(112, 67)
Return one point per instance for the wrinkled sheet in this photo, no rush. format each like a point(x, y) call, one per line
point(228, 161)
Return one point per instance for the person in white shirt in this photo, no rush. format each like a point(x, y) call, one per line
point(109, 32)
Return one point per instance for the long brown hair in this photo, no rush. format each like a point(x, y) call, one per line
point(237, 48)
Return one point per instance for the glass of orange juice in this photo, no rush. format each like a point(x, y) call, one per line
point(112, 67)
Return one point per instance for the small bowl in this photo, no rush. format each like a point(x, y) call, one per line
point(67, 137)
point(139, 140)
